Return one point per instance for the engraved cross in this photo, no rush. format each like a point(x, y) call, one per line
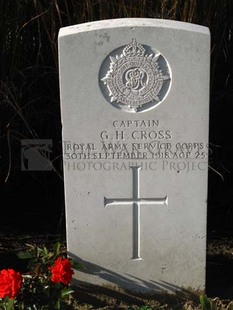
point(136, 202)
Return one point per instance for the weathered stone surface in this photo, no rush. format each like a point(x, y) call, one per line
point(134, 101)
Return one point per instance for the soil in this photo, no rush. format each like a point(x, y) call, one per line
point(219, 277)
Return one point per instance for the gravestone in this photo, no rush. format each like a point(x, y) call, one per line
point(134, 104)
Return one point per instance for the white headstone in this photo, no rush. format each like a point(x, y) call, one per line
point(134, 101)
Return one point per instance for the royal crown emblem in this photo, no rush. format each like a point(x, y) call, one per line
point(136, 81)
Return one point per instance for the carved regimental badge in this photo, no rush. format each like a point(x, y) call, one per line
point(135, 78)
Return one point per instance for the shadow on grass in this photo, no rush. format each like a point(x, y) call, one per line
point(133, 290)
point(104, 296)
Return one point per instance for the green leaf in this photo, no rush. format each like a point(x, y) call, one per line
point(10, 304)
point(76, 265)
point(57, 248)
point(206, 303)
point(203, 301)
point(58, 304)
point(24, 255)
point(36, 251)
point(45, 251)
point(66, 291)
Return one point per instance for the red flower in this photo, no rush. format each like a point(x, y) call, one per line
point(61, 271)
point(10, 283)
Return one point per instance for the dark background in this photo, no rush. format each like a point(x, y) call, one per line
point(30, 108)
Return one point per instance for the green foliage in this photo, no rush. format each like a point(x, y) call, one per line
point(207, 304)
point(39, 259)
point(7, 304)
point(38, 292)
